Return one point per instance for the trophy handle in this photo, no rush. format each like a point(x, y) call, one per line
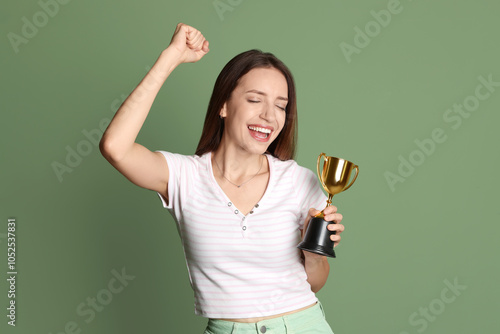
point(317, 168)
point(354, 179)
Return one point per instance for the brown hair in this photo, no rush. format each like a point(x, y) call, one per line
point(283, 147)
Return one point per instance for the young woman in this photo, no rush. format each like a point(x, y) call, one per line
point(241, 203)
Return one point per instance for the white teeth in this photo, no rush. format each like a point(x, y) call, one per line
point(259, 129)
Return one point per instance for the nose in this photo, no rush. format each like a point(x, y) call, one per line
point(268, 112)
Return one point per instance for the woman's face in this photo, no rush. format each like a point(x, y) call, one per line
point(255, 113)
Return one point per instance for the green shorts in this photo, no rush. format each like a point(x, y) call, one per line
point(309, 321)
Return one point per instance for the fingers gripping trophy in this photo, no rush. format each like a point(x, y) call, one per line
point(334, 177)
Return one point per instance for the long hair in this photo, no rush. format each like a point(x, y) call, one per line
point(283, 147)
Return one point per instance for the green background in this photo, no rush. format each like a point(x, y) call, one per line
point(400, 246)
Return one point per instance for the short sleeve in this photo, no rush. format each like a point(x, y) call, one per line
point(308, 192)
point(181, 170)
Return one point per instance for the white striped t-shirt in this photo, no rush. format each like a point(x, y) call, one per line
point(242, 266)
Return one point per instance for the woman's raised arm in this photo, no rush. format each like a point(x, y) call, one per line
point(137, 163)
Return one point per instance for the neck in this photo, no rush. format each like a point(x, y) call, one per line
point(237, 167)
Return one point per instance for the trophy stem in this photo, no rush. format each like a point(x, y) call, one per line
point(329, 201)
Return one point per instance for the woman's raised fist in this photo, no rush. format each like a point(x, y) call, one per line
point(189, 43)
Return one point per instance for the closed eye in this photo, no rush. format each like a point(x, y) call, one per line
point(253, 101)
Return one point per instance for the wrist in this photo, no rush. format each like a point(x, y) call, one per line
point(168, 60)
point(313, 257)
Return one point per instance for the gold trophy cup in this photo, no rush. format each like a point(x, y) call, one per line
point(335, 179)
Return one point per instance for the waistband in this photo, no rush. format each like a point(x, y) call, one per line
point(310, 315)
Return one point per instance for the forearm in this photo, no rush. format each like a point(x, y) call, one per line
point(122, 132)
point(317, 270)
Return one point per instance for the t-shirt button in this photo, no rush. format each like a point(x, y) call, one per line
point(251, 211)
point(244, 228)
point(236, 212)
point(243, 218)
point(229, 204)
point(257, 205)
point(263, 329)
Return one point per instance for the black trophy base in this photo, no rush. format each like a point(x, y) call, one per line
point(317, 238)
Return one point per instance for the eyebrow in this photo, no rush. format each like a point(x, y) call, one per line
point(262, 93)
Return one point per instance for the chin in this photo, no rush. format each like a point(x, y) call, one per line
point(258, 150)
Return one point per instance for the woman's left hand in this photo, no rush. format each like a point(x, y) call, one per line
point(330, 214)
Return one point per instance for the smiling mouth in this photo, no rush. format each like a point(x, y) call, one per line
point(260, 133)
